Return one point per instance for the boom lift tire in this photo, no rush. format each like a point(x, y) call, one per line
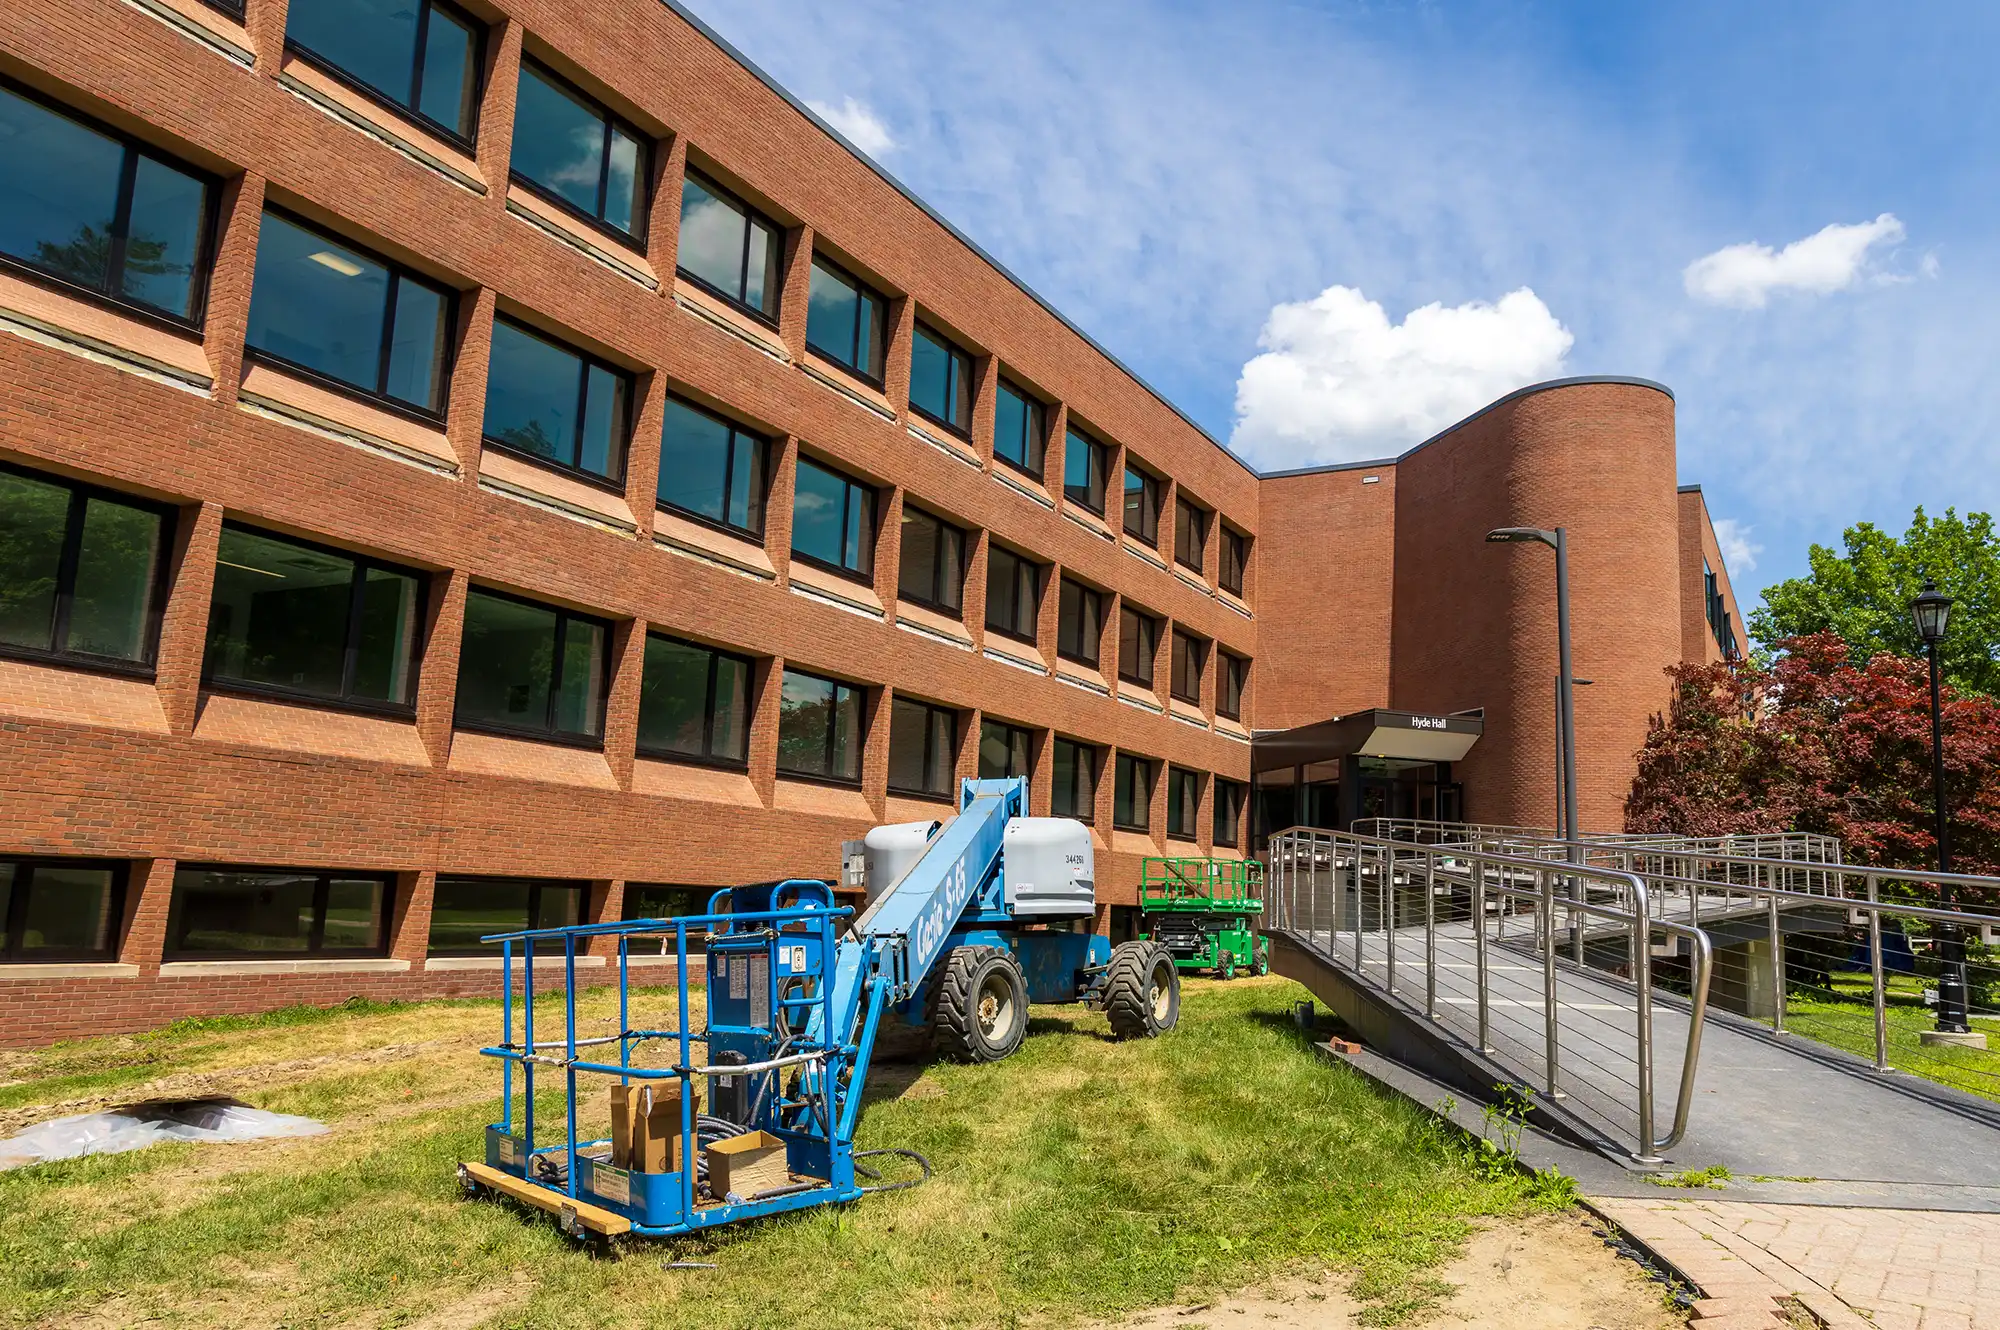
point(979, 1004)
point(1142, 990)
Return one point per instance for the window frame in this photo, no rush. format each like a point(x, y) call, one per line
point(1133, 761)
point(738, 434)
point(864, 292)
point(1199, 647)
point(316, 936)
point(995, 552)
point(81, 492)
point(959, 362)
point(1151, 489)
point(11, 926)
point(832, 733)
point(865, 576)
point(349, 652)
point(750, 216)
point(1238, 543)
point(1229, 663)
point(128, 169)
point(1179, 779)
point(642, 182)
point(378, 396)
point(1035, 414)
point(931, 711)
point(1231, 794)
point(1198, 518)
point(1012, 730)
point(613, 483)
point(1088, 593)
point(475, 62)
point(1152, 657)
point(535, 888)
point(932, 603)
point(1102, 453)
point(708, 757)
point(551, 734)
point(1078, 747)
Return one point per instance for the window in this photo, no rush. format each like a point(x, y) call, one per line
point(644, 900)
point(932, 570)
point(845, 321)
point(1074, 792)
point(301, 618)
point(694, 701)
point(530, 668)
point(1013, 594)
point(1019, 436)
point(1719, 621)
point(1190, 534)
point(1086, 463)
point(1229, 686)
point(1138, 644)
point(727, 248)
point(1189, 655)
point(941, 382)
point(419, 56)
point(711, 469)
point(1183, 803)
point(1142, 505)
point(819, 728)
point(576, 153)
point(1132, 794)
point(1228, 812)
point(1079, 622)
point(923, 748)
point(1005, 750)
point(324, 306)
point(1235, 559)
point(60, 909)
point(82, 571)
point(227, 912)
point(99, 210)
point(833, 520)
point(555, 404)
point(465, 909)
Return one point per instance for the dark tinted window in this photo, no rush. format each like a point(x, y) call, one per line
point(1189, 655)
point(1190, 534)
point(303, 619)
point(923, 748)
point(420, 55)
point(277, 912)
point(1229, 686)
point(556, 404)
point(57, 909)
point(570, 149)
point(96, 209)
point(1005, 750)
point(531, 668)
point(1019, 434)
point(845, 321)
point(833, 519)
point(1183, 802)
point(645, 900)
point(1132, 794)
point(819, 728)
point(932, 564)
point(81, 570)
point(1142, 504)
point(1138, 644)
point(1228, 812)
point(1013, 594)
point(1235, 558)
point(322, 305)
point(711, 468)
point(940, 381)
point(465, 909)
point(694, 701)
point(1085, 465)
point(1074, 787)
point(727, 247)
point(1079, 623)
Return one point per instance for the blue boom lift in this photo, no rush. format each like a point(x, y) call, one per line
point(966, 923)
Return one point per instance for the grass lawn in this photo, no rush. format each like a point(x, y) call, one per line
point(1846, 1020)
point(1078, 1179)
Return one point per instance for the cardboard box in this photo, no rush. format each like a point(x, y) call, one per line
point(747, 1164)
point(646, 1126)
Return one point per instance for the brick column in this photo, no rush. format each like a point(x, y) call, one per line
point(979, 544)
point(607, 907)
point(410, 936)
point(265, 21)
point(142, 935)
point(778, 507)
point(766, 690)
point(985, 401)
point(437, 687)
point(496, 107)
point(621, 710)
point(888, 543)
point(663, 219)
point(184, 625)
point(465, 401)
point(876, 706)
point(967, 765)
point(1056, 420)
point(642, 454)
point(227, 320)
point(902, 320)
point(798, 279)
point(1107, 642)
point(1048, 616)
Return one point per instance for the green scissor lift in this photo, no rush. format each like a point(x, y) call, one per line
point(1203, 911)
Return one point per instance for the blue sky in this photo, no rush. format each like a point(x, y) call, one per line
point(1206, 187)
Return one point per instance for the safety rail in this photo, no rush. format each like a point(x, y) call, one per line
point(1805, 846)
point(1225, 882)
point(1374, 905)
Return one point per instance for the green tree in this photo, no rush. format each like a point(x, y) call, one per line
point(1864, 595)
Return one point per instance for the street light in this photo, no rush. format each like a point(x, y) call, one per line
point(1556, 540)
point(1932, 611)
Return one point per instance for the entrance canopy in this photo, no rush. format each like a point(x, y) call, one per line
point(1377, 732)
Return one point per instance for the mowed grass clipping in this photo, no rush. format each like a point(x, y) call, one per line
point(1078, 1179)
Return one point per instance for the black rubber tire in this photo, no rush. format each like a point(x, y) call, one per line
point(1142, 991)
point(979, 1005)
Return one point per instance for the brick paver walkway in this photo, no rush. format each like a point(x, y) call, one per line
point(1853, 1268)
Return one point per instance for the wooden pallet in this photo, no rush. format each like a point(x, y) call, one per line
point(593, 1217)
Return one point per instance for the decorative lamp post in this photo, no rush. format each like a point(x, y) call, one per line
point(1932, 612)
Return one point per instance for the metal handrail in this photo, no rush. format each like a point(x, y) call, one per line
point(1811, 846)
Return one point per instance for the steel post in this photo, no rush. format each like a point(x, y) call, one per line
point(1479, 947)
point(1875, 968)
point(1549, 1037)
point(1777, 963)
point(1430, 937)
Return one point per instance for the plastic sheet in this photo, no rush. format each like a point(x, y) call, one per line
point(136, 1126)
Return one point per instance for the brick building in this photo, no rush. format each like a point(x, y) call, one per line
point(455, 473)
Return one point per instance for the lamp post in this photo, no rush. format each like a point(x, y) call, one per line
point(1932, 612)
point(1558, 541)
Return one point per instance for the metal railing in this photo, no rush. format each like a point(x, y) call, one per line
point(1806, 846)
point(1458, 920)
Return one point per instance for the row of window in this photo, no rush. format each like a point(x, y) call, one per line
point(107, 213)
point(1716, 607)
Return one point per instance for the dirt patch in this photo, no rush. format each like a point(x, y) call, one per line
point(1549, 1271)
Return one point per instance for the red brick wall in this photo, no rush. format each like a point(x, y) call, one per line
point(1697, 539)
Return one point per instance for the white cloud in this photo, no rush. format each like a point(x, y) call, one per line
point(860, 125)
point(1831, 259)
point(1739, 553)
point(1338, 382)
